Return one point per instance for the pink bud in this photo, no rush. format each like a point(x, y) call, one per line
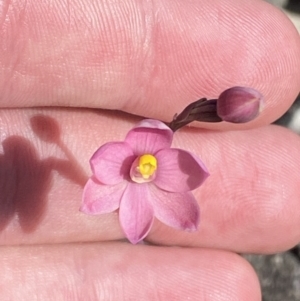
point(239, 104)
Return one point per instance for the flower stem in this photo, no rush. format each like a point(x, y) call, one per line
point(201, 110)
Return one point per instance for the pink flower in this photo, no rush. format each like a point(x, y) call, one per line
point(143, 177)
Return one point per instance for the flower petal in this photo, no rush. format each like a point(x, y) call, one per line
point(98, 198)
point(179, 170)
point(111, 162)
point(136, 212)
point(149, 136)
point(177, 210)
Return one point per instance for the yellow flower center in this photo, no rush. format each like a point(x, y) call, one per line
point(143, 169)
point(147, 165)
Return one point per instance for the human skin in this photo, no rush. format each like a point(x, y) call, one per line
point(150, 59)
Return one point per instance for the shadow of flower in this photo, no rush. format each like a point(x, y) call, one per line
point(25, 179)
point(24, 183)
point(46, 128)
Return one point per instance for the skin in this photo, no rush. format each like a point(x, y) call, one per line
point(152, 59)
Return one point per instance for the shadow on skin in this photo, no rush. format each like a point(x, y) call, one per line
point(25, 180)
point(47, 129)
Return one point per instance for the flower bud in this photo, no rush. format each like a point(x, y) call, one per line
point(239, 104)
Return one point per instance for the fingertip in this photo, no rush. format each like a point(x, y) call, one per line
point(119, 271)
point(258, 48)
point(171, 54)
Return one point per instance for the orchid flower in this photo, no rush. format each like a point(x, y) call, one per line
point(144, 178)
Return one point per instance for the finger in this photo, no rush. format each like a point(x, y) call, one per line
point(250, 203)
point(171, 53)
point(118, 271)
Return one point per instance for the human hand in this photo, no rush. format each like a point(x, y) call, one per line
point(148, 59)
